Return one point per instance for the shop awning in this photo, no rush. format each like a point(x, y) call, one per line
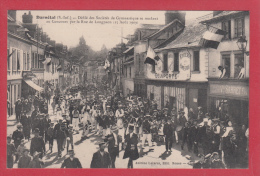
point(33, 85)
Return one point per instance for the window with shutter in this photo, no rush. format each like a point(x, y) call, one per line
point(8, 59)
point(18, 60)
point(28, 61)
point(176, 62)
point(14, 57)
point(196, 61)
point(165, 62)
point(24, 61)
point(32, 60)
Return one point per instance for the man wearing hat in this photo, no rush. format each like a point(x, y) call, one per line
point(18, 109)
point(75, 119)
point(18, 135)
point(168, 132)
point(71, 161)
point(37, 144)
point(131, 150)
point(147, 131)
point(50, 134)
point(26, 122)
point(60, 135)
point(10, 152)
point(101, 159)
point(113, 145)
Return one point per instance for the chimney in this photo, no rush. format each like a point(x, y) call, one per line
point(172, 15)
point(216, 12)
point(12, 13)
point(27, 18)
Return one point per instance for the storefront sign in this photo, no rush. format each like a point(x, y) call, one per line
point(166, 76)
point(230, 90)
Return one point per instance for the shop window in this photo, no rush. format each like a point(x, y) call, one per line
point(196, 61)
point(239, 71)
point(225, 68)
point(151, 96)
point(239, 27)
point(176, 62)
point(226, 26)
point(165, 62)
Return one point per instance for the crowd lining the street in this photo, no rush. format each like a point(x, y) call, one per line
point(124, 123)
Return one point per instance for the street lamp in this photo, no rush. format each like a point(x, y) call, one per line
point(242, 44)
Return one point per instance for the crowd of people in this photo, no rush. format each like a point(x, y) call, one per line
point(123, 123)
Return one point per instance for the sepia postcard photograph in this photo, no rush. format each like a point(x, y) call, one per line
point(157, 89)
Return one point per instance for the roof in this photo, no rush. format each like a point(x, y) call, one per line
point(190, 37)
point(224, 14)
point(151, 26)
point(126, 51)
point(165, 27)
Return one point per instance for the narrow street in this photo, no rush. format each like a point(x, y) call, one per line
point(160, 159)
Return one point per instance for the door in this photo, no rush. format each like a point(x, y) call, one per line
point(193, 100)
point(202, 99)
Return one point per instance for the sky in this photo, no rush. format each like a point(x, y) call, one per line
point(97, 34)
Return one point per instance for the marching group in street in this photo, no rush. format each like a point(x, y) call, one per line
point(125, 124)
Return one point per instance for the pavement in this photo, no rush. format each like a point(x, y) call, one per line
point(84, 150)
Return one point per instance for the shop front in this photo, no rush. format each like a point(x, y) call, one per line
point(179, 94)
point(230, 97)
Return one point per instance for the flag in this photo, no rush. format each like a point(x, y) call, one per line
point(212, 38)
point(151, 57)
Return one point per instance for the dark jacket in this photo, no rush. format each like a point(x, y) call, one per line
point(24, 162)
point(37, 144)
point(113, 149)
point(75, 163)
point(35, 163)
point(17, 137)
point(99, 161)
point(146, 127)
point(194, 137)
point(168, 130)
point(131, 150)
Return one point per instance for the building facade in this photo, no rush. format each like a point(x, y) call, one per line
point(230, 94)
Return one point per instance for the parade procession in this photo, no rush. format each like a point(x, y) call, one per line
point(169, 95)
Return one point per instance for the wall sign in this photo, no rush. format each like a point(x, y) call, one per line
point(230, 90)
